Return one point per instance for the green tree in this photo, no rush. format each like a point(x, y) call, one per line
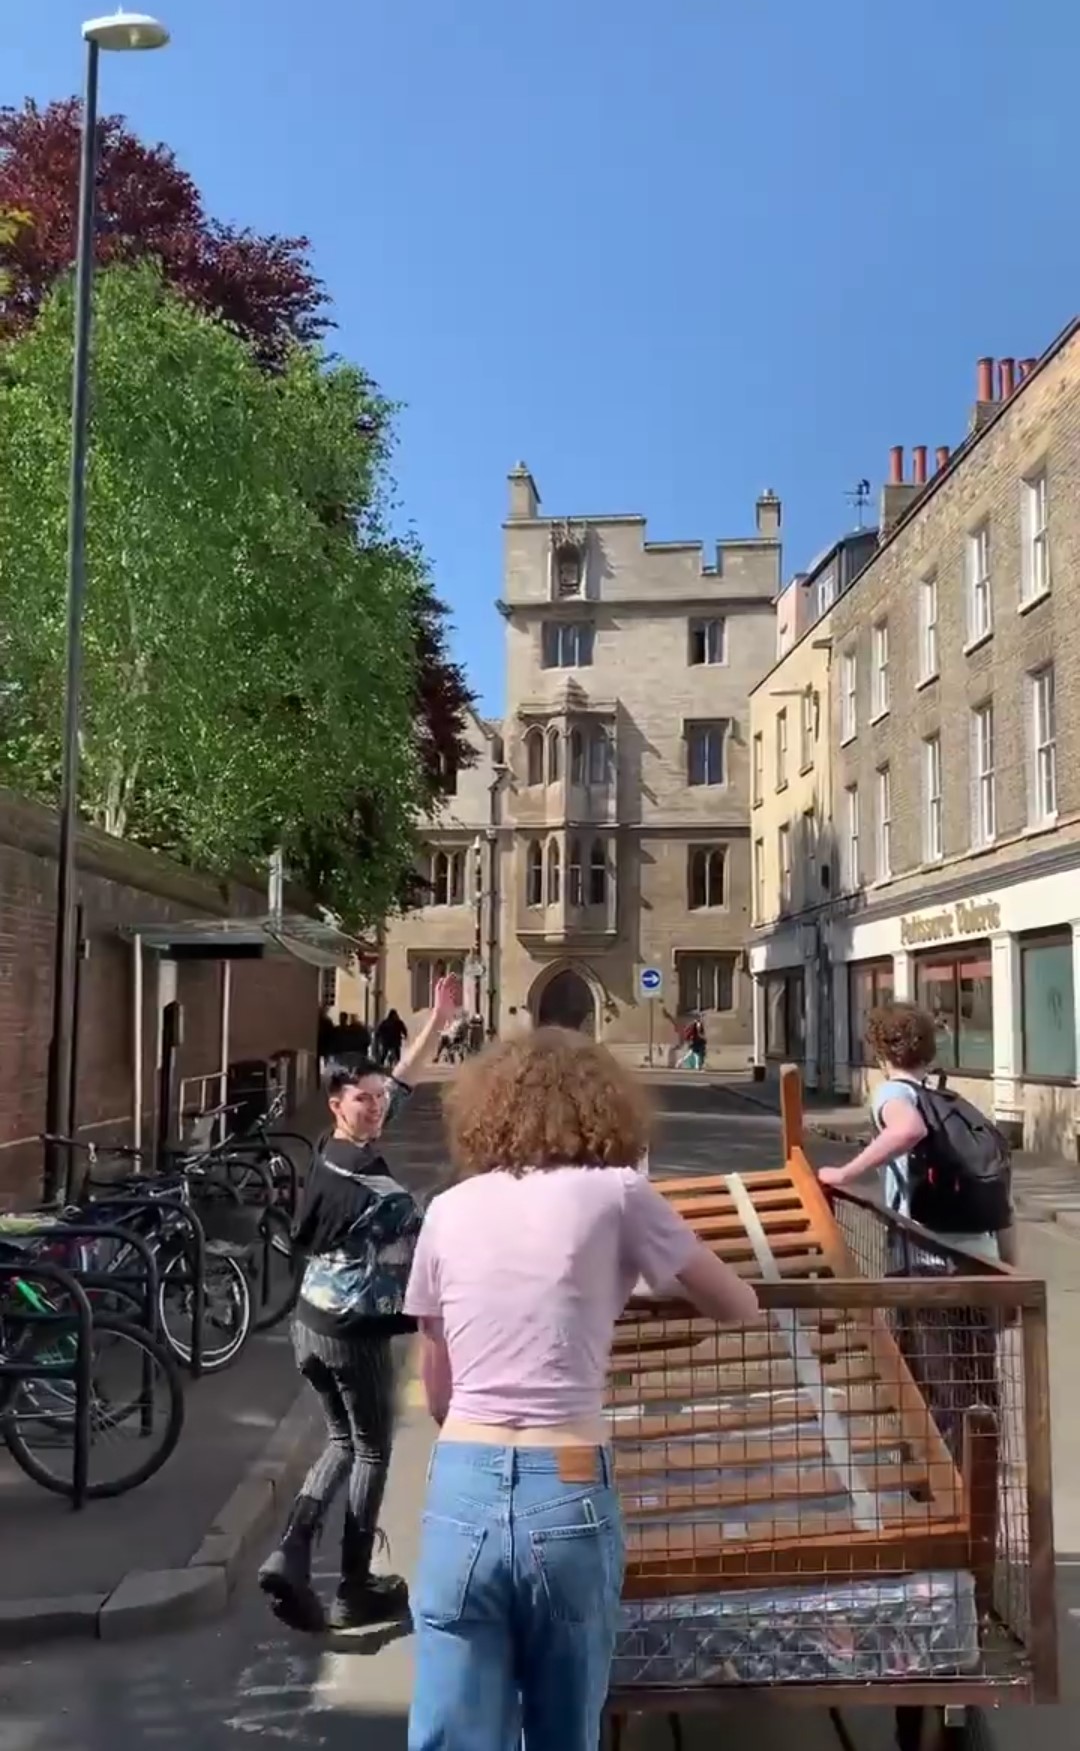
point(250, 659)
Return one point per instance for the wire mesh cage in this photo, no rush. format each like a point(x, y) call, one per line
point(852, 1490)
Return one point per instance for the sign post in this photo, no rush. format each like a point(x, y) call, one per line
point(650, 986)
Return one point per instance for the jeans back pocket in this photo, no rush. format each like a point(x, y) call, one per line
point(448, 1553)
point(580, 1568)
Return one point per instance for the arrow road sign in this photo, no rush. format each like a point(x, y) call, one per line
point(650, 981)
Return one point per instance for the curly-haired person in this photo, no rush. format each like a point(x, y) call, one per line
point(952, 1352)
point(522, 1269)
point(903, 1040)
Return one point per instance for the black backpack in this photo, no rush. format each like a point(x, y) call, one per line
point(959, 1176)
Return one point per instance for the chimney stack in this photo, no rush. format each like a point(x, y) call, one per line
point(1026, 368)
point(524, 498)
point(768, 515)
point(941, 458)
point(1007, 377)
point(919, 464)
point(985, 387)
point(896, 465)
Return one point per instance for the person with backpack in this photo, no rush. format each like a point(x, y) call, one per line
point(945, 1165)
point(358, 1227)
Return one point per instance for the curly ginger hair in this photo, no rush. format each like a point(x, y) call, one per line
point(545, 1099)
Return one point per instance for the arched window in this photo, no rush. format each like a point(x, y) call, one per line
point(440, 879)
point(534, 875)
point(554, 874)
point(575, 889)
point(599, 757)
point(554, 756)
point(598, 874)
point(707, 873)
point(534, 757)
point(448, 878)
point(577, 757)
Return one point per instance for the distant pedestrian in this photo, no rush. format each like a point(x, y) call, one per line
point(390, 1037)
point(694, 1040)
point(358, 1226)
point(521, 1270)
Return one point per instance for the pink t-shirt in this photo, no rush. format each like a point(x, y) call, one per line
point(529, 1276)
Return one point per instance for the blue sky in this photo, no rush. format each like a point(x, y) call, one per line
point(669, 254)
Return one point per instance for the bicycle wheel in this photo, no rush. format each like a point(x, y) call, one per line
point(136, 1412)
point(226, 1312)
point(277, 1272)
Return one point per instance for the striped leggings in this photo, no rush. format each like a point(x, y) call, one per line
point(354, 1382)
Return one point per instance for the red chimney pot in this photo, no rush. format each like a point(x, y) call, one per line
point(941, 457)
point(1026, 368)
point(985, 391)
point(919, 460)
point(896, 465)
point(1007, 377)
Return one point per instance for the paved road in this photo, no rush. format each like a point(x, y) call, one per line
point(241, 1683)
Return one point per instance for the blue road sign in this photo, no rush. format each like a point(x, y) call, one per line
point(650, 980)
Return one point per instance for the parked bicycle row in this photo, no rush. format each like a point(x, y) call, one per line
point(176, 1266)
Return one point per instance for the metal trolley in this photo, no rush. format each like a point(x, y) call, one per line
point(847, 1503)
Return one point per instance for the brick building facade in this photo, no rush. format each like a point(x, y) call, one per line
point(273, 1001)
point(954, 723)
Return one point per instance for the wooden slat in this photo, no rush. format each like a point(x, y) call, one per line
point(782, 1201)
point(859, 1401)
point(766, 1180)
point(842, 1558)
point(687, 1337)
point(669, 1453)
point(649, 1541)
point(809, 1484)
point(687, 1384)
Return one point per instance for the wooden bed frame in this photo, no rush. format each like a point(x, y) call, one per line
point(694, 1409)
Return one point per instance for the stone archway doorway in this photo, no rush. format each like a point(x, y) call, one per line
point(567, 1001)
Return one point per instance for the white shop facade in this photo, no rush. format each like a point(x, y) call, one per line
point(998, 968)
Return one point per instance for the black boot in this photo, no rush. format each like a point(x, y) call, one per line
point(285, 1576)
point(363, 1599)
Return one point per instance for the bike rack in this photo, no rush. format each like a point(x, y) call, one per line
point(176, 1207)
point(61, 1229)
point(78, 1371)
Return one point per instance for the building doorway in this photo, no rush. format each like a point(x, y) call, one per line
point(567, 1001)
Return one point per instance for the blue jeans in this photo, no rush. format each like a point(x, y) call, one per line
point(516, 1599)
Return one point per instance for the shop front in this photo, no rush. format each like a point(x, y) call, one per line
point(792, 1014)
point(998, 972)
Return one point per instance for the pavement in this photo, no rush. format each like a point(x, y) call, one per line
point(243, 1680)
point(167, 1554)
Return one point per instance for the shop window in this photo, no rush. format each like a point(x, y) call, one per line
point(1048, 1012)
point(957, 989)
point(785, 1015)
point(870, 986)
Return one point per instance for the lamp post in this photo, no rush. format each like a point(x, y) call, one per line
point(124, 30)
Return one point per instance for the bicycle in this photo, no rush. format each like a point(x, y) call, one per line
point(158, 1209)
point(55, 1372)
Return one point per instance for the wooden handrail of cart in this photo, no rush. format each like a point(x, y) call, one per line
point(824, 1359)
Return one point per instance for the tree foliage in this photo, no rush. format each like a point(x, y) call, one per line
point(250, 669)
point(265, 290)
point(264, 287)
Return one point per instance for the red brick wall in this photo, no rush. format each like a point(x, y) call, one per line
point(274, 1001)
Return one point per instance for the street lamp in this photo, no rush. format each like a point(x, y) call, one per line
point(123, 30)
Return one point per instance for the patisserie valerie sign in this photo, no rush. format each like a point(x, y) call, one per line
point(966, 918)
